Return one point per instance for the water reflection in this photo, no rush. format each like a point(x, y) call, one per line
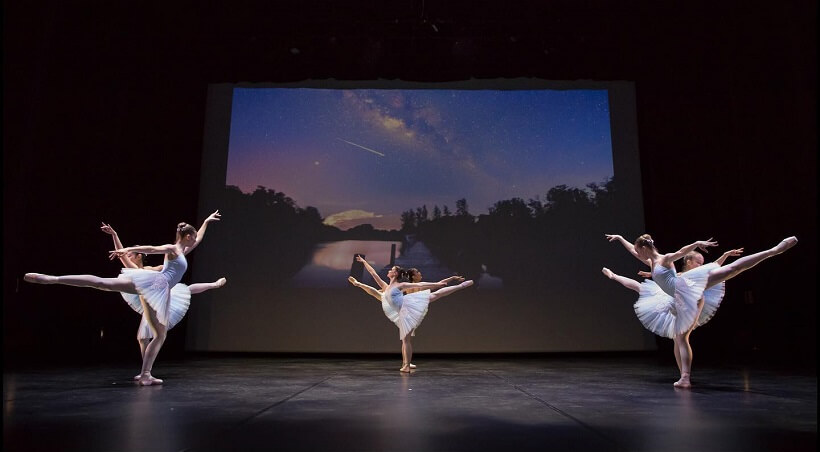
point(331, 262)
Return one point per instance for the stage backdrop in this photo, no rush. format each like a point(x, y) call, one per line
point(510, 183)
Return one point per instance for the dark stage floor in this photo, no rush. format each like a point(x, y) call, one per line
point(596, 403)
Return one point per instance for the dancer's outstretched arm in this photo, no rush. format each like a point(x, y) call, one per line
point(629, 247)
point(420, 285)
point(126, 262)
point(200, 234)
point(734, 252)
point(369, 268)
point(369, 289)
point(450, 279)
point(668, 259)
point(161, 249)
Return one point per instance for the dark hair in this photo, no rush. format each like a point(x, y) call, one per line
point(403, 274)
point(184, 229)
point(645, 240)
point(413, 272)
point(143, 256)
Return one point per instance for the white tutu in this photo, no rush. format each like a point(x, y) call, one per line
point(153, 286)
point(669, 316)
point(711, 302)
point(407, 313)
point(656, 310)
point(133, 301)
point(180, 302)
point(689, 288)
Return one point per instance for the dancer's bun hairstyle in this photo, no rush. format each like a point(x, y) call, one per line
point(645, 240)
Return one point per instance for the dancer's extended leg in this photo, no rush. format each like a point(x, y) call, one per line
point(626, 282)
point(443, 292)
point(729, 271)
point(109, 284)
point(202, 287)
point(369, 289)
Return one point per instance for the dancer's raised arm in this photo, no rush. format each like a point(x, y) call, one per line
point(734, 252)
point(126, 261)
point(629, 247)
point(667, 259)
point(201, 233)
point(369, 268)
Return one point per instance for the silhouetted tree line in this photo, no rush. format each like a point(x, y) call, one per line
point(523, 242)
point(270, 226)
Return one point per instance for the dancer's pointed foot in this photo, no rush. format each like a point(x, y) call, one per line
point(785, 244)
point(467, 283)
point(352, 280)
point(221, 282)
point(39, 278)
point(607, 272)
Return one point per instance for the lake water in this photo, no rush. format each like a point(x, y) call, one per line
point(331, 262)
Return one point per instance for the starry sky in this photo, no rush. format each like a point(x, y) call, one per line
point(365, 155)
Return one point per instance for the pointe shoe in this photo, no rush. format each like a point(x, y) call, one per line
point(412, 366)
point(221, 282)
point(607, 272)
point(137, 378)
point(467, 283)
point(405, 369)
point(39, 278)
point(683, 383)
point(148, 380)
point(786, 243)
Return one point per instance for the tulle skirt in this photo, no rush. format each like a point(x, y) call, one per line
point(669, 316)
point(178, 307)
point(689, 289)
point(409, 315)
point(154, 288)
point(656, 310)
point(711, 302)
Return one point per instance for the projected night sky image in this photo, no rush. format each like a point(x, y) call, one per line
point(365, 156)
point(511, 188)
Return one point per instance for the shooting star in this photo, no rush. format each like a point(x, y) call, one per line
point(360, 146)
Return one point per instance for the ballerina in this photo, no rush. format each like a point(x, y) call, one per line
point(688, 289)
point(179, 301)
point(154, 286)
point(406, 311)
point(415, 277)
point(655, 309)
